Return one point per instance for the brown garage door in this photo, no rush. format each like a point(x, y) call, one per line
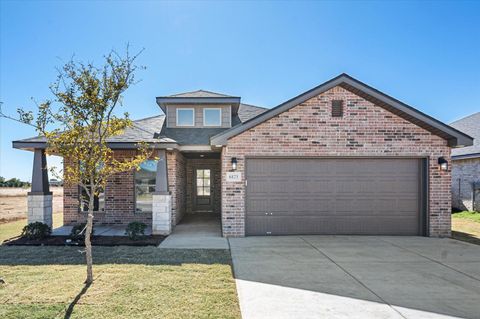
point(287, 196)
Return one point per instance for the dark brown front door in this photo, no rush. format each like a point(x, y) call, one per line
point(202, 198)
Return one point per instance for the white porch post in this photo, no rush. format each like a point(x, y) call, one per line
point(40, 197)
point(162, 200)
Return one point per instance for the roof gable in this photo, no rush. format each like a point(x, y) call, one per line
point(454, 137)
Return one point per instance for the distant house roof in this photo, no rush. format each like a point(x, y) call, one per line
point(453, 136)
point(153, 130)
point(469, 125)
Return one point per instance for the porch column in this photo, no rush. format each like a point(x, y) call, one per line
point(40, 197)
point(162, 200)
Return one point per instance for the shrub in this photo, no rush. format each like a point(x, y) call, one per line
point(135, 230)
point(36, 230)
point(78, 232)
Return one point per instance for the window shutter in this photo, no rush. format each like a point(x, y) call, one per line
point(337, 108)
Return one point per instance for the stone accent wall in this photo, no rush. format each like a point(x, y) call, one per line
point(40, 209)
point(215, 167)
point(162, 214)
point(309, 130)
point(176, 165)
point(465, 172)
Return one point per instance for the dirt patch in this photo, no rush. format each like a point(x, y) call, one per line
point(22, 192)
point(466, 230)
point(13, 203)
point(153, 240)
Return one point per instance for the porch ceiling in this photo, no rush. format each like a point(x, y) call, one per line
point(202, 155)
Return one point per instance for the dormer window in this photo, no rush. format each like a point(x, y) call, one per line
point(185, 117)
point(212, 117)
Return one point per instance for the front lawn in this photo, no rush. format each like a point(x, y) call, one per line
point(130, 282)
point(466, 226)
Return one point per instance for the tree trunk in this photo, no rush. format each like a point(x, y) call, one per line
point(88, 242)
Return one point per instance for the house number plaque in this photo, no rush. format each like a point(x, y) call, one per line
point(234, 176)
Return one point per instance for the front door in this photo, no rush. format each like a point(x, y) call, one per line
point(203, 190)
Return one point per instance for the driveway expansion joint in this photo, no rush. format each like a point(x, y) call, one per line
point(353, 277)
point(431, 259)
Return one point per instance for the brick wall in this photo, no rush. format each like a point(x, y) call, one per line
point(176, 165)
point(214, 166)
point(120, 195)
point(119, 200)
point(464, 173)
point(309, 130)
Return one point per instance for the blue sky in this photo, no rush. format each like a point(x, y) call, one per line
point(426, 54)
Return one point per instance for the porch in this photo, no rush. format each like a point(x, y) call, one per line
point(181, 190)
point(197, 231)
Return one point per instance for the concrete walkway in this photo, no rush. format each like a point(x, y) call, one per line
point(356, 277)
point(197, 231)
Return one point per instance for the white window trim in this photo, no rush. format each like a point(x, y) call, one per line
point(212, 108)
point(183, 109)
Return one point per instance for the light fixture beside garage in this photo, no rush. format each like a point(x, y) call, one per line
point(442, 164)
point(234, 163)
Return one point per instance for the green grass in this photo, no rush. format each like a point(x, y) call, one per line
point(13, 229)
point(474, 216)
point(466, 226)
point(130, 282)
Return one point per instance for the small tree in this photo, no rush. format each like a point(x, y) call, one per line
point(81, 113)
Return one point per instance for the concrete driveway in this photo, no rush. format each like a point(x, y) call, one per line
point(356, 277)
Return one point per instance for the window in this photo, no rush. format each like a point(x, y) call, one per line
point(337, 108)
point(98, 200)
point(212, 117)
point(185, 117)
point(145, 179)
point(203, 182)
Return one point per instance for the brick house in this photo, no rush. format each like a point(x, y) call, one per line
point(466, 166)
point(341, 158)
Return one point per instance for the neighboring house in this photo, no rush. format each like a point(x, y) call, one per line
point(466, 166)
point(341, 158)
point(55, 182)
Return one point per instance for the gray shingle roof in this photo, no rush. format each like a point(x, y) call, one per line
point(469, 125)
point(152, 129)
point(189, 136)
point(200, 93)
point(247, 111)
point(142, 130)
point(35, 139)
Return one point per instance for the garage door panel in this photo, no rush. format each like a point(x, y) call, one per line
point(305, 225)
point(333, 196)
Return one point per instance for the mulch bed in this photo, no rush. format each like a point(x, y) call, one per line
point(153, 240)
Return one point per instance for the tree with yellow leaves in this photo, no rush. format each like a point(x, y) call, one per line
point(77, 123)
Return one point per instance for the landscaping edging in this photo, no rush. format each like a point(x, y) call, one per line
point(153, 240)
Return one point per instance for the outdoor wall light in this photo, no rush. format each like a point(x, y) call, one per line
point(442, 164)
point(234, 163)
